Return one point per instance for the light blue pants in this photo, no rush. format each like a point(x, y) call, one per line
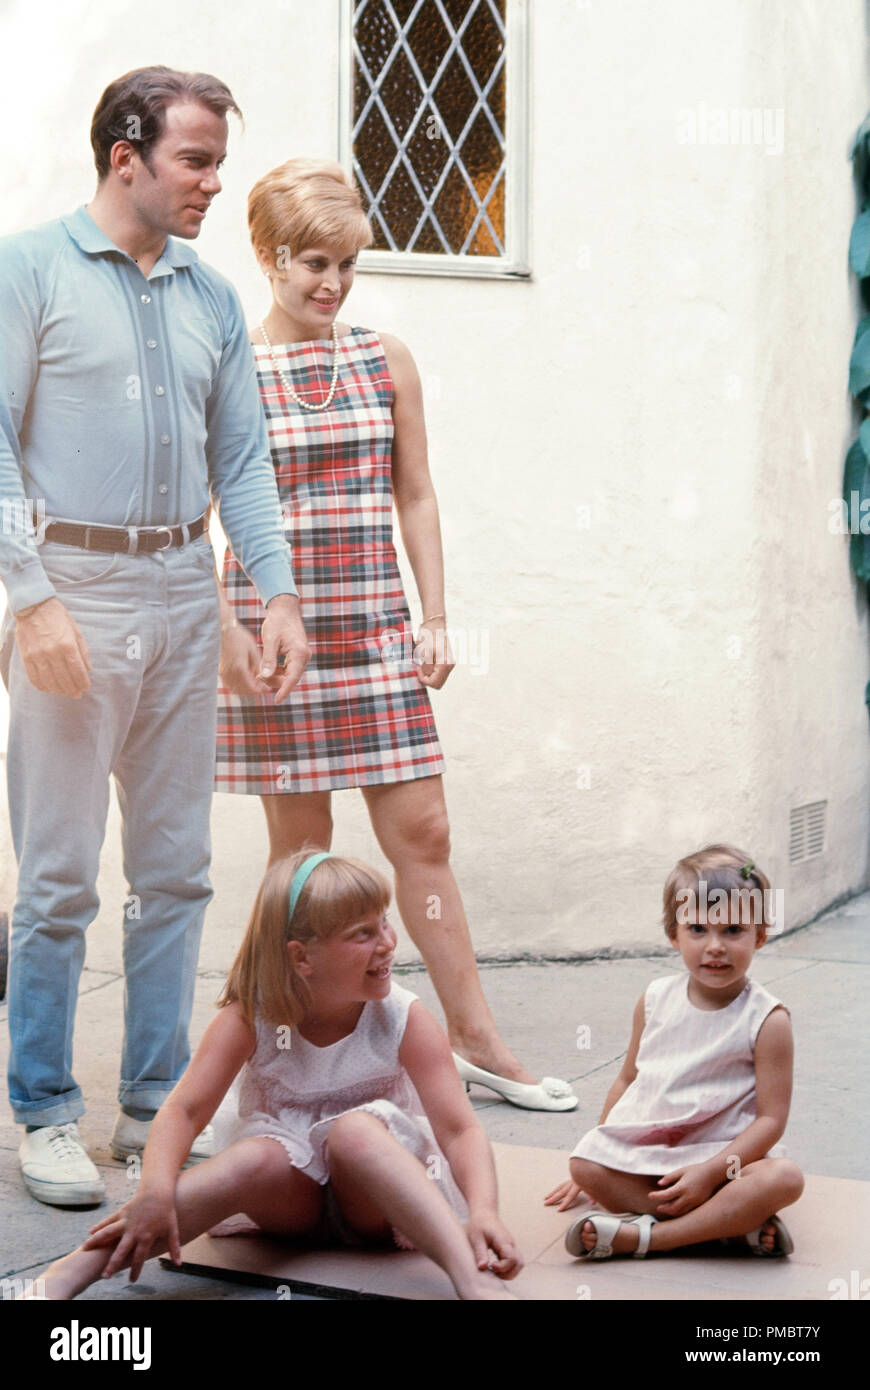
point(152, 627)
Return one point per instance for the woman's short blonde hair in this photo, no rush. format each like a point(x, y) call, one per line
point(305, 203)
point(337, 893)
point(718, 878)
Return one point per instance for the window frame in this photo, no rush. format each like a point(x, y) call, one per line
point(515, 263)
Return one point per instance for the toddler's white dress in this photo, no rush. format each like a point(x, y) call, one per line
point(695, 1084)
point(292, 1091)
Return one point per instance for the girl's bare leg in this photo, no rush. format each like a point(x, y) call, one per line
point(379, 1184)
point(737, 1207)
point(296, 820)
point(253, 1176)
point(613, 1190)
point(410, 822)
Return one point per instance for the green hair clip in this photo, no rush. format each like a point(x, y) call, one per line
point(747, 869)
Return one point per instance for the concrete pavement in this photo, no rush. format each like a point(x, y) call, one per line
point(564, 1019)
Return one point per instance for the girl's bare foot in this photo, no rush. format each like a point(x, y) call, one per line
point(624, 1241)
point(767, 1235)
point(486, 1288)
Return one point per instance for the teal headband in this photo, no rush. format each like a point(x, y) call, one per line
point(300, 878)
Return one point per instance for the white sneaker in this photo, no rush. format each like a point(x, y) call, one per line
point(56, 1168)
point(129, 1136)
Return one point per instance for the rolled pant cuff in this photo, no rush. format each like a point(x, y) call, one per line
point(59, 1111)
point(149, 1097)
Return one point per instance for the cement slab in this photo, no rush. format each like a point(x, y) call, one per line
point(841, 935)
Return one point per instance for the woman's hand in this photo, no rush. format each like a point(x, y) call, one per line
point(565, 1196)
point(147, 1218)
point(433, 655)
point(493, 1245)
point(685, 1189)
point(240, 661)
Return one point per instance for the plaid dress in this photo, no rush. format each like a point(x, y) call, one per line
point(359, 716)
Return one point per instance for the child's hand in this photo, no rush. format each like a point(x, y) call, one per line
point(146, 1218)
point(486, 1233)
point(685, 1189)
point(565, 1196)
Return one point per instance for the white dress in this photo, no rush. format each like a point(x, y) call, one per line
point(292, 1091)
point(695, 1084)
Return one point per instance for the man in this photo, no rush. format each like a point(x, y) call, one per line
point(128, 401)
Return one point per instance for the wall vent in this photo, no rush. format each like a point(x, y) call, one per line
point(806, 831)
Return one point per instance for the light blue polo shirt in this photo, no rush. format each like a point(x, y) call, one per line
point(127, 401)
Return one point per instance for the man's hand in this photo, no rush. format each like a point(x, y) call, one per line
point(283, 635)
point(53, 650)
point(240, 662)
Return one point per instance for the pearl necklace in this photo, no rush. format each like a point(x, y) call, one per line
point(289, 389)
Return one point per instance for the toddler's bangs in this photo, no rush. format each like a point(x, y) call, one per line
point(722, 878)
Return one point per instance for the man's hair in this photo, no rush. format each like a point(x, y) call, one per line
point(133, 108)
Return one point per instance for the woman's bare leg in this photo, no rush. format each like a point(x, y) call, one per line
point(296, 820)
point(253, 1176)
point(378, 1185)
point(410, 822)
point(741, 1205)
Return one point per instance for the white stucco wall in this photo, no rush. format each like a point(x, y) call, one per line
point(634, 451)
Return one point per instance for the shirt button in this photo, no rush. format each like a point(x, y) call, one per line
point(146, 298)
point(160, 390)
point(163, 488)
point(164, 439)
point(152, 343)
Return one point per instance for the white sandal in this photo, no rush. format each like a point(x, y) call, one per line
point(548, 1094)
point(606, 1224)
point(783, 1243)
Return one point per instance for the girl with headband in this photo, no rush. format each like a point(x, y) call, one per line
point(344, 1120)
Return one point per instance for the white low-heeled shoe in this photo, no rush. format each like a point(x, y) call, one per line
point(547, 1094)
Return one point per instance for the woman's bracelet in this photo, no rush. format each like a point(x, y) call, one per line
point(433, 618)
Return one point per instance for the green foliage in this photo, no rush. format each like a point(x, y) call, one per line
point(856, 475)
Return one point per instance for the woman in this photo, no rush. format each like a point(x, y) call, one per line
point(345, 416)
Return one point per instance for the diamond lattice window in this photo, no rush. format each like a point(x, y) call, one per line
point(429, 124)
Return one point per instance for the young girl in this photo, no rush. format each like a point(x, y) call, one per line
point(684, 1148)
point(341, 1071)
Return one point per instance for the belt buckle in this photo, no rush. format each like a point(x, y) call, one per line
point(168, 530)
point(96, 542)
